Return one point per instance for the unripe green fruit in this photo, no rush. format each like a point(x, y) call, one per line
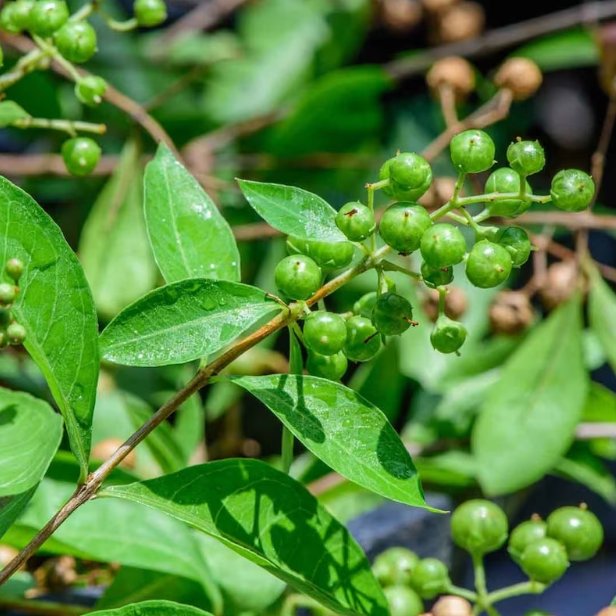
point(436, 276)
point(517, 242)
point(48, 16)
point(430, 578)
point(15, 16)
point(572, 190)
point(14, 269)
point(363, 340)
point(16, 333)
point(525, 534)
point(403, 225)
point(410, 170)
point(150, 13)
point(578, 529)
point(403, 601)
point(332, 367)
point(76, 41)
point(364, 305)
point(488, 264)
point(400, 192)
point(298, 277)
point(479, 527)
point(7, 293)
point(90, 90)
point(325, 333)
point(356, 221)
point(392, 314)
point(544, 560)
point(328, 255)
point(442, 245)
point(394, 566)
point(448, 336)
point(81, 155)
point(506, 180)
point(526, 157)
point(472, 151)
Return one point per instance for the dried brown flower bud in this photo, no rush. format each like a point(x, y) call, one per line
point(510, 313)
point(450, 605)
point(401, 15)
point(460, 22)
point(104, 449)
point(519, 75)
point(559, 285)
point(454, 72)
point(455, 303)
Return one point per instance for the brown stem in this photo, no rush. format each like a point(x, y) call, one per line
point(42, 608)
point(447, 99)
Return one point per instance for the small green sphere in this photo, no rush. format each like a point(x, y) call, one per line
point(325, 332)
point(436, 276)
point(392, 314)
point(578, 529)
point(328, 255)
point(363, 340)
point(572, 190)
point(523, 535)
point(395, 566)
point(479, 526)
point(48, 16)
point(488, 264)
point(526, 157)
point(150, 13)
point(472, 151)
point(506, 180)
point(447, 336)
point(90, 90)
point(16, 333)
point(544, 560)
point(81, 155)
point(430, 578)
point(364, 305)
point(517, 242)
point(403, 225)
point(400, 192)
point(442, 245)
point(332, 367)
point(14, 269)
point(76, 41)
point(402, 601)
point(15, 16)
point(298, 277)
point(7, 293)
point(410, 171)
point(356, 221)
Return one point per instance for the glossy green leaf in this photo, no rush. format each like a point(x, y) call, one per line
point(55, 306)
point(272, 520)
point(293, 211)
point(12, 506)
point(528, 420)
point(114, 246)
point(602, 315)
point(153, 608)
point(30, 434)
point(189, 236)
point(183, 321)
point(10, 112)
point(347, 432)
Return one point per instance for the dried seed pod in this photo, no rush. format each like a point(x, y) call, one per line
point(401, 15)
point(455, 303)
point(519, 75)
point(450, 605)
point(510, 313)
point(460, 22)
point(104, 449)
point(453, 72)
point(559, 285)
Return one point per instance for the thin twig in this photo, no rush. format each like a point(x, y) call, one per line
point(447, 99)
point(502, 38)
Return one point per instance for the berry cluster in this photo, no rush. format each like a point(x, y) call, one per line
point(407, 227)
point(11, 332)
point(543, 550)
point(70, 39)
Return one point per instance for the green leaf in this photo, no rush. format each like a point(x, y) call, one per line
point(10, 112)
point(55, 306)
point(183, 321)
point(30, 434)
point(114, 246)
point(347, 432)
point(527, 421)
point(12, 506)
point(293, 211)
point(272, 520)
point(153, 608)
point(189, 236)
point(602, 315)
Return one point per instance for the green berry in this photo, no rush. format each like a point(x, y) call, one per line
point(544, 560)
point(90, 90)
point(14, 269)
point(356, 221)
point(410, 171)
point(517, 242)
point(150, 13)
point(325, 333)
point(430, 578)
point(363, 340)
point(578, 529)
point(436, 276)
point(364, 305)
point(298, 277)
point(332, 367)
point(392, 314)
point(15, 16)
point(403, 225)
point(479, 526)
point(442, 245)
point(48, 16)
point(572, 190)
point(506, 180)
point(76, 41)
point(447, 336)
point(403, 601)
point(472, 151)
point(7, 293)
point(328, 255)
point(525, 534)
point(395, 566)
point(81, 155)
point(16, 333)
point(526, 157)
point(399, 192)
point(488, 264)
